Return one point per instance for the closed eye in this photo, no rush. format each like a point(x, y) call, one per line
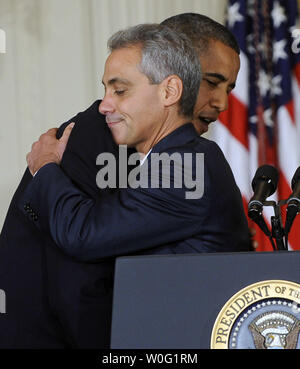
point(216, 84)
point(119, 92)
point(212, 83)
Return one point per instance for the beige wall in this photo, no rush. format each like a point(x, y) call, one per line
point(53, 65)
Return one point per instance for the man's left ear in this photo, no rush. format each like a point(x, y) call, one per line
point(172, 88)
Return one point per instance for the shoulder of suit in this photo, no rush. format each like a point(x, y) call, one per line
point(89, 117)
point(198, 144)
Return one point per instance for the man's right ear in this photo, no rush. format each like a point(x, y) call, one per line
point(171, 90)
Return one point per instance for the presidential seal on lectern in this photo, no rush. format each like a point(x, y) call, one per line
point(263, 315)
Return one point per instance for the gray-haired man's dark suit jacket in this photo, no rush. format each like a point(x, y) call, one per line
point(59, 294)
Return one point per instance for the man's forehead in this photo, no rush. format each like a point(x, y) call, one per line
point(117, 80)
point(219, 49)
point(220, 61)
point(119, 63)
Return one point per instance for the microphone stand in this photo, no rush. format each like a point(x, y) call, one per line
point(276, 223)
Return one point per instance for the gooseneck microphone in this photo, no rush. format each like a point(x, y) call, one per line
point(264, 184)
point(293, 202)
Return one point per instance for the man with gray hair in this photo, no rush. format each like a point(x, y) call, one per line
point(164, 53)
point(161, 61)
point(151, 117)
point(71, 300)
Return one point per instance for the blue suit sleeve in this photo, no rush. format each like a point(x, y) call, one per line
point(127, 221)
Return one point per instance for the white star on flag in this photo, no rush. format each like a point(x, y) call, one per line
point(268, 118)
point(276, 85)
point(278, 14)
point(278, 50)
point(253, 119)
point(233, 14)
point(250, 47)
point(250, 8)
point(264, 83)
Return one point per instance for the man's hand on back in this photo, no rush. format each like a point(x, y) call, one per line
point(48, 149)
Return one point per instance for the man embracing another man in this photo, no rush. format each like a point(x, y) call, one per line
point(151, 78)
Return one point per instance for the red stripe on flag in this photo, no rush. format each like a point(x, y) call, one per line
point(291, 110)
point(293, 237)
point(262, 241)
point(235, 119)
point(283, 189)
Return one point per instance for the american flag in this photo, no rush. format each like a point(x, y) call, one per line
point(262, 124)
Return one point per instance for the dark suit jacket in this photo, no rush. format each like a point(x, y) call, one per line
point(133, 220)
point(53, 301)
point(57, 301)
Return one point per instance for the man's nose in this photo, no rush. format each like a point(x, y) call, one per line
point(220, 101)
point(106, 105)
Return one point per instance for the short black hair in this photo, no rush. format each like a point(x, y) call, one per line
point(200, 29)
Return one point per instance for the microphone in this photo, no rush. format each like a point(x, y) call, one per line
point(293, 202)
point(264, 184)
